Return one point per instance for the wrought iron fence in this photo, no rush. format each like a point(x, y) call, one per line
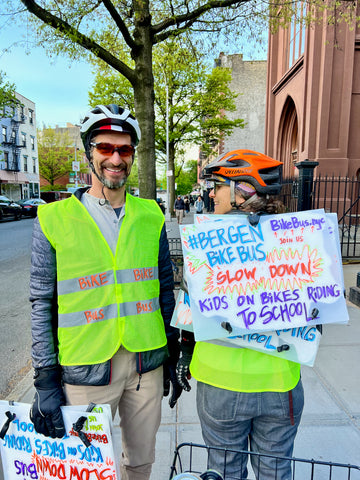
point(177, 260)
point(340, 195)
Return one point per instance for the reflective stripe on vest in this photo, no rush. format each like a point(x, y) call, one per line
point(76, 319)
point(98, 280)
point(242, 369)
point(105, 300)
point(89, 281)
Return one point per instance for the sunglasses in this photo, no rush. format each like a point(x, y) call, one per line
point(218, 185)
point(109, 148)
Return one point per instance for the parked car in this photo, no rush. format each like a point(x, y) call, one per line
point(29, 206)
point(9, 209)
point(54, 196)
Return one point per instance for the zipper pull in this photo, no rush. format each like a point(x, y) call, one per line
point(138, 385)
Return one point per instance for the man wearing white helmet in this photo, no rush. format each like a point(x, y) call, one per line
point(101, 288)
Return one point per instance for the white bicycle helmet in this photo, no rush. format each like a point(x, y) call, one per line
point(108, 117)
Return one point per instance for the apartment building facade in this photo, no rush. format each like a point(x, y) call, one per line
point(19, 164)
point(248, 80)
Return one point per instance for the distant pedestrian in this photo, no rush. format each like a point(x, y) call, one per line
point(187, 204)
point(179, 208)
point(199, 205)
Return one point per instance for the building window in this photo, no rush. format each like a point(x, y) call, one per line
point(34, 189)
point(13, 136)
point(297, 32)
point(25, 163)
point(6, 160)
point(32, 140)
point(31, 116)
point(4, 134)
point(23, 139)
point(34, 165)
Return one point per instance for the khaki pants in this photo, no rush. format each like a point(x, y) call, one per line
point(139, 410)
point(179, 215)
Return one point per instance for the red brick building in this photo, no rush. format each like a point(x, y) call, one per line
point(313, 97)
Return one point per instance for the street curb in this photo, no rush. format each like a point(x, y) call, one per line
point(22, 388)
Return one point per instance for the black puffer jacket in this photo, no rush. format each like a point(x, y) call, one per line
point(43, 296)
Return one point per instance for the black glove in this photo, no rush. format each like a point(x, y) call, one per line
point(182, 367)
point(45, 411)
point(170, 379)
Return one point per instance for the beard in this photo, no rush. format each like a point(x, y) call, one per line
point(111, 185)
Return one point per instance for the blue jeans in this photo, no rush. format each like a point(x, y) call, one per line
point(266, 421)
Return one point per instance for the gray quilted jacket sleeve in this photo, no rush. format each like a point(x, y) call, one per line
point(43, 299)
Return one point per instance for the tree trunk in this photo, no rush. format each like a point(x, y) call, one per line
point(144, 100)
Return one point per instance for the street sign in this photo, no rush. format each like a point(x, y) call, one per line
point(76, 166)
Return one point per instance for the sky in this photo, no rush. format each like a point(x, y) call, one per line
point(58, 87)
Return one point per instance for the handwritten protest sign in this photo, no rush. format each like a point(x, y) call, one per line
point(182, 317)
point(296, 344)
point(285, 272)
point(27, 454)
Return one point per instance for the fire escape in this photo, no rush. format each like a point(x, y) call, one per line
point(13, 144)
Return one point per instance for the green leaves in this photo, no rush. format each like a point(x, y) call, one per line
point(7, 94)
point(56, 153)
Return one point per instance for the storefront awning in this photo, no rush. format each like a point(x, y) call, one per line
point(13, 177)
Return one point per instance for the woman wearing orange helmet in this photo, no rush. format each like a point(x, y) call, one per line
point(245, 398)
point(253, 179)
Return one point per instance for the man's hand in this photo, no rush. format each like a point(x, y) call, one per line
point(45, 412)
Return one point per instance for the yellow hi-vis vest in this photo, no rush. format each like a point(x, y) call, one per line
point(105, 301)
point(242, 369)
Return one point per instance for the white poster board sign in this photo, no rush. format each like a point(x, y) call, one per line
point(283, 273)
point(27, 454)
point(296, 344)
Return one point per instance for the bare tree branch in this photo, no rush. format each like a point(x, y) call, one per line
point(191, 16)
point(120, 24)
point(74, 35)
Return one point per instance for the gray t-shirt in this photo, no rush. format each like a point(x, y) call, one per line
point(105, 218)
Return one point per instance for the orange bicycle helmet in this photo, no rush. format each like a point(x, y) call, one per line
point(261, 171)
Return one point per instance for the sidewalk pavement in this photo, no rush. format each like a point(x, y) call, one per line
point(330, 426)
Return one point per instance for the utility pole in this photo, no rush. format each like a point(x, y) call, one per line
point(168, 173)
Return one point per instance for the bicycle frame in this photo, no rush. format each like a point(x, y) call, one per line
point(192, 457)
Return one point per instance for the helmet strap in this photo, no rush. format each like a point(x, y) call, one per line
point(102, 201)
point(91, 165)
point(233, 197)
point(249, 201)
point(232, 194)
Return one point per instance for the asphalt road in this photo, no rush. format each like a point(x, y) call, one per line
point(15, 336)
